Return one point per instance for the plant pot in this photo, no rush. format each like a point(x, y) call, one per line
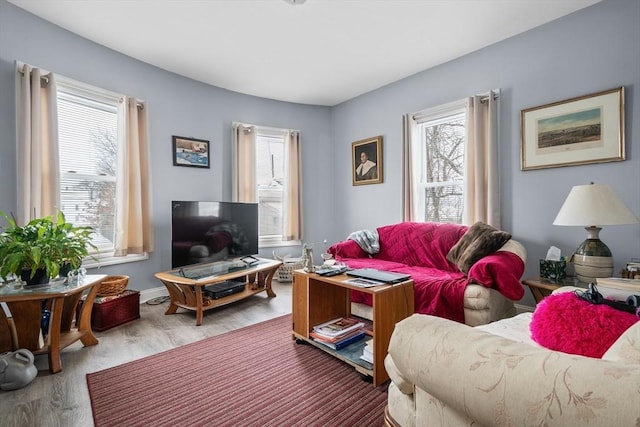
point(40, 278)
point(65, 269)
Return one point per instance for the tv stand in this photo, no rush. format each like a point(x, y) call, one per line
point(185, 289)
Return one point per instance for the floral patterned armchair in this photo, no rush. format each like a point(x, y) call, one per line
point(445, 373)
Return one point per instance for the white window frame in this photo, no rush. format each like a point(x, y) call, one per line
point(91, 93)
point(274, 240)
point(431, 116)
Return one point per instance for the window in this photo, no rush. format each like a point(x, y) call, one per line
point(267, 171)
point(270, 181)
point(438, 164)
point(89, 131)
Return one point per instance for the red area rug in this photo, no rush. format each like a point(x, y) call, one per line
point(261, 378)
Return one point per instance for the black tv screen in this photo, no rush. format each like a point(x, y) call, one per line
point(204, 232)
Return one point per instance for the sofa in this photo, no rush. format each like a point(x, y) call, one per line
point(476, 290)
point(444, 373)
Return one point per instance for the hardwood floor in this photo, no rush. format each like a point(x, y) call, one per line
point(62, 399)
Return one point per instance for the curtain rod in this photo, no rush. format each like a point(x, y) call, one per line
point(485, 96)
point(46, 80)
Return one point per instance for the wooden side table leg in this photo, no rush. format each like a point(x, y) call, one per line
point(84, 325)
point(55, 363)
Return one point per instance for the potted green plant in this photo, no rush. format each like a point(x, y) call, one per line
point(42, 247)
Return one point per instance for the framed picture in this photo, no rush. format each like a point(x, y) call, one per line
point(578, 131)
point(190, 152)
point(366, 161)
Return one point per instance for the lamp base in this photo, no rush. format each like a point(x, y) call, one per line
point(592, 259)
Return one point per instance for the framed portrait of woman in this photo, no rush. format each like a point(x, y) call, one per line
point(366, 161)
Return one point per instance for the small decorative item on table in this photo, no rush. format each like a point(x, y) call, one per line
point(553, 270)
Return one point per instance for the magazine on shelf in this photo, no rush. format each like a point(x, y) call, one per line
point(364, 283)
point(343, 343)
point(339, 326)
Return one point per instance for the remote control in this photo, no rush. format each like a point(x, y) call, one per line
point(327, 272)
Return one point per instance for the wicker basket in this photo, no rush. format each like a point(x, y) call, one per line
point(113, 285)
point(285, 272)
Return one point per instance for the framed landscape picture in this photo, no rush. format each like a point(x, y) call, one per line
point(190, 152)
point(366, 161)
point(577, 131)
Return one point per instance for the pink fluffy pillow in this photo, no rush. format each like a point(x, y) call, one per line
point(566, 323)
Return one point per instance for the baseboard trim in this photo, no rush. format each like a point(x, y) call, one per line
point(149, 294)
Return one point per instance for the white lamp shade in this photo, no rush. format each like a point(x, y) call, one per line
point(594, 205)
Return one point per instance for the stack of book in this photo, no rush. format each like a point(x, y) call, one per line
point(338, 333)
point(617, 288)
point(367, 352)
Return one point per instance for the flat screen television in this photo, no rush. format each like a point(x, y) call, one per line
point(203, 232)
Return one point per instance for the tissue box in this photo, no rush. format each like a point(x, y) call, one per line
point(553, 270)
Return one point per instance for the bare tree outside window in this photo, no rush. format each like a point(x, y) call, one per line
point(444, 169)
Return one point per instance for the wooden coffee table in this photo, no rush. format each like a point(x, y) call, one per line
point(187, 293)
point(318, 299)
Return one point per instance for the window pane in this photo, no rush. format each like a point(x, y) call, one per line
point(444, 203)
point(88, 149)
point(88, 202)
point(270, 181)
point(442, 167)
point(445, 151)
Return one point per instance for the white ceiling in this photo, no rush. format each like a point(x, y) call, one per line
point(320, 52)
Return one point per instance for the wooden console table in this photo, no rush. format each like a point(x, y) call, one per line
point(25, 307)
point(186, 293)
point(317, 299)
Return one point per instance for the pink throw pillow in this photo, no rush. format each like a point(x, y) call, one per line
point(566, 323)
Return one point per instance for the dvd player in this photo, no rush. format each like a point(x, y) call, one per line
point(223, 289)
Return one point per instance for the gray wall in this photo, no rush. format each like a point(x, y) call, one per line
point(593, 49)
point(177, 106)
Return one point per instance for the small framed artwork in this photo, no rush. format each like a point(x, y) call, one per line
point(366, 161)
point(190, 152)
point(577, 131)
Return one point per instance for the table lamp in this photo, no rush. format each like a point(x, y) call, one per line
point(592, 206)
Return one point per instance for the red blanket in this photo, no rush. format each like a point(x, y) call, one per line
point(420, 249)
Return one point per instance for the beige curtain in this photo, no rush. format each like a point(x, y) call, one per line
point(244, 161)
point(293, 188)
point(408, 196)
point(482, 201)
point(38, 175)
point(134, 231)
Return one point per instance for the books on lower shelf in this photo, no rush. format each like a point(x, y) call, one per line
point(367, 352)
point(338, 327)
point(617, 288)
point(343, 342)
point(338, 333)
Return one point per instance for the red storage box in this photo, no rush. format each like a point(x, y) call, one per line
point(112, 311)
